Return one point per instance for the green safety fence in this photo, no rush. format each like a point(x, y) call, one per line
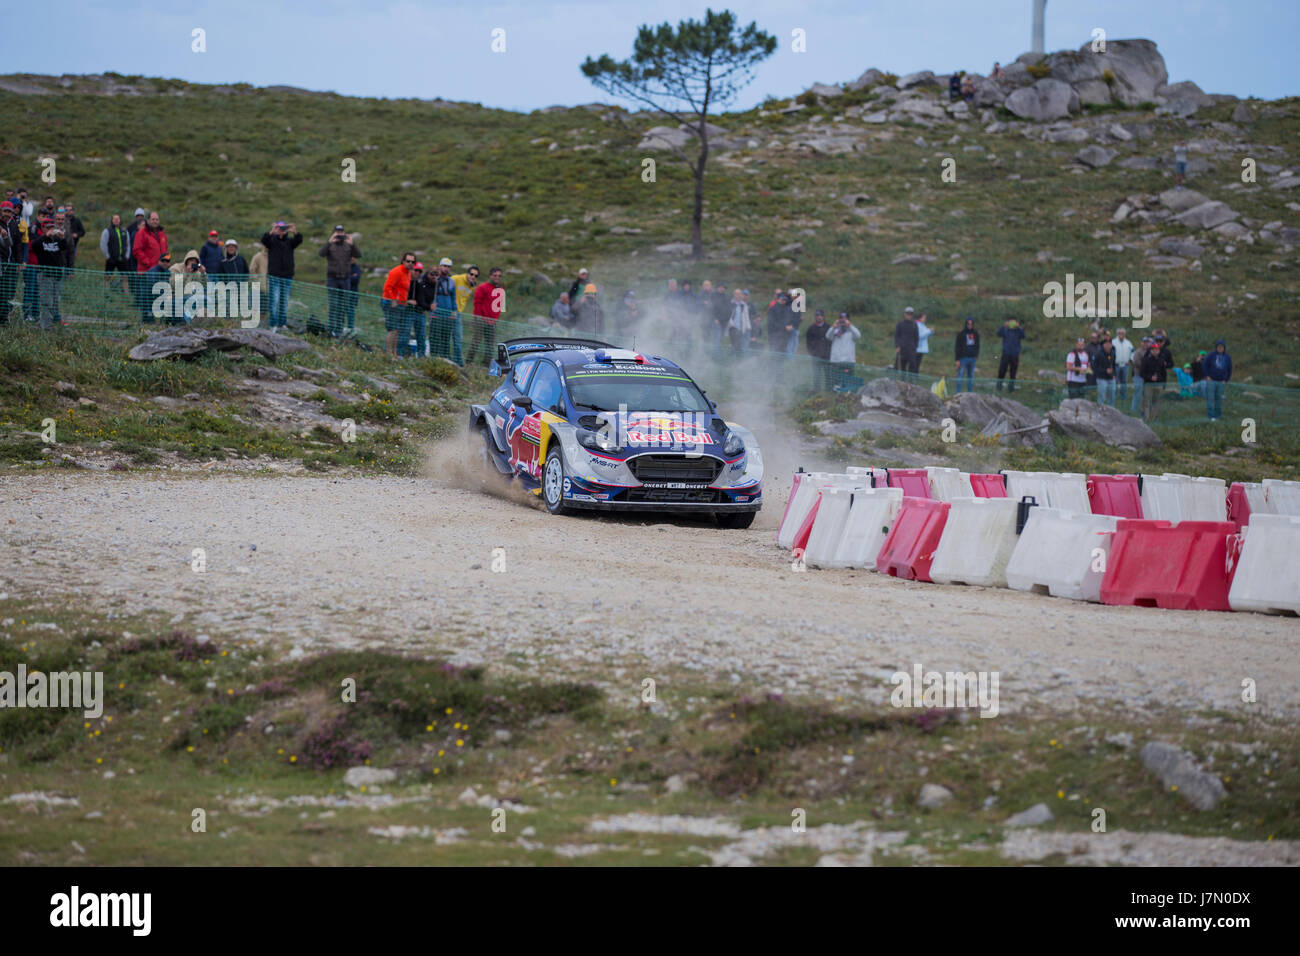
point(117, 303)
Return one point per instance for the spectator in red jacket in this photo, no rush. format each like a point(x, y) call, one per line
point(397, 303)
point(147, 249)
point(489, 303)
point(150, 243)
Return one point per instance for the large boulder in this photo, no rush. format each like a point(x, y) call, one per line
point(923, 108)
point(190, 342)
point(1046, 100)
point(1136, 66)
point(920, 78)
point(1187, 91)
point(825, 90)
point(870, 78)
point(1207, 215)
point(1094, 156)
point(1016, 75)
point(902, 398)
point(989, 92)
point(664, 137)
point(1081, 418)
point(996, 415)
point(1178, 770)
point(1093, 92)
point(1180, 200)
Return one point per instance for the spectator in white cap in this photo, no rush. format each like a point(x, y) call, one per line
point(580, 283)
point(232, 264)
point(447, 333)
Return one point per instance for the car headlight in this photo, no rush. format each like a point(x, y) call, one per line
point(597, 441)
point(734, 444)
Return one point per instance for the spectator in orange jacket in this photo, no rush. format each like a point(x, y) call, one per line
point(489, 303)
point(397, 303)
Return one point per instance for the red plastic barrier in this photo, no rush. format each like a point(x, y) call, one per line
point(1116, 495)
point(909, 547)
point(988, 486)
point(915, 482)
point(1186, 566)
point(1238, 505)
point(800, 543)
point(794, 486)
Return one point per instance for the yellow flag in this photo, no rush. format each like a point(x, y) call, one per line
point(940, 388)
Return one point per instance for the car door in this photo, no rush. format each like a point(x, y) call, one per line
point(546, 392)
point(505, 414)
point(521, 421)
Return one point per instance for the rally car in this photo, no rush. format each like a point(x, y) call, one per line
point(585, 425)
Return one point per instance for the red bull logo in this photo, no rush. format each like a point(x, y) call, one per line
point(665, 430)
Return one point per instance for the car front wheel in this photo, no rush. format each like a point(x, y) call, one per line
point(553, 479)
point(735, 519)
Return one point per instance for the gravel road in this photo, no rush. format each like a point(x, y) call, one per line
point(404, 562)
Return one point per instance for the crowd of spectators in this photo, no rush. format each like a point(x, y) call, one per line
point(422, 309)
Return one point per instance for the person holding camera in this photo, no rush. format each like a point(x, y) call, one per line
point(52, 257)
point(843, 336)
point(338, 253)
point(280, 242)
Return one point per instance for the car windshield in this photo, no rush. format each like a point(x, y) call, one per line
point(658, 392)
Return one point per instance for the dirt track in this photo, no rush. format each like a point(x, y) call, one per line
point(408, 562)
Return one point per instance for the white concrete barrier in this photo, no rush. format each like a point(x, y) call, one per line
point(1173, 497)
point(1268, 574)
point(1058, 554)
point(879, 475)
point(828, 527)
point(1283, 497)
point(871, 516)
point(804, 497)
point(947, 484)
point(978, 540)
point(1065, 491)
point(1256, 498)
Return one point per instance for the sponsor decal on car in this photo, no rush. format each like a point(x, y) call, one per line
point(666, 430)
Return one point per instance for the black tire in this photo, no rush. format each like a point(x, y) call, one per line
point(554, 475)
point(482, 448)
point(735, 519)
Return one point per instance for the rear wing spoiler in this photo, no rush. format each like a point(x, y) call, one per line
point(512, 348)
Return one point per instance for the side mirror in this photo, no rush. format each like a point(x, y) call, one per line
point(503, 359)
point(523, 401)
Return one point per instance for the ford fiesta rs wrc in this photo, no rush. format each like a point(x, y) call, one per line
point(585, 425)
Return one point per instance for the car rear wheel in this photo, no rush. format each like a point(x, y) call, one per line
point(553, 479)
point(735, 519)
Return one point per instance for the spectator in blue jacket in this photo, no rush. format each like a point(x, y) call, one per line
point(446, 330)
point(1218, 370)
point(211, 252)
point(1011, 335)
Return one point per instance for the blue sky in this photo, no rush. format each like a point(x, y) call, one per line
point(399, 48)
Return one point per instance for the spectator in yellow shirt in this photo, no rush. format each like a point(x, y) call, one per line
point(465, 283)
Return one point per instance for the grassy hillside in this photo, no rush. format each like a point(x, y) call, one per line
point(490, 185)
point(551, 191)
